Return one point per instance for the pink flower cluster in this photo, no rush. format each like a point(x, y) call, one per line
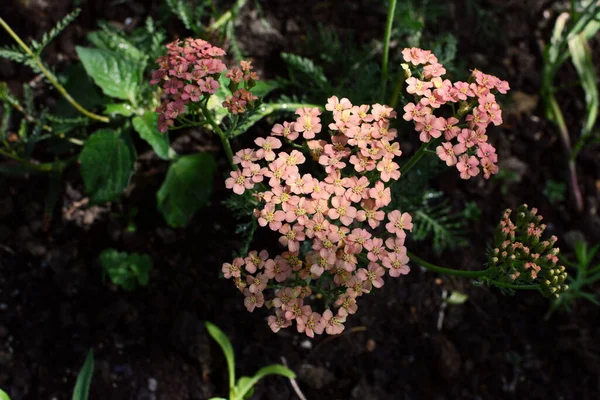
point(464, 144)
point(190, 72)
point(336, 214)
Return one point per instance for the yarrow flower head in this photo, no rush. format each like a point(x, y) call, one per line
point(520, 256)
point(463, 144)
point(339, 243)
point(189, 73)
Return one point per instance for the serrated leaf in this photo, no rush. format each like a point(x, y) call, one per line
point(123, 109)
point(303, 65)
point(186, 188)
point(581, 54)
point(221, 338)
point(147, 127)
point(126, 270)
point(106, 165)
point(108, 38)
point(58, 28)
point(117, 76)
point(84, 379)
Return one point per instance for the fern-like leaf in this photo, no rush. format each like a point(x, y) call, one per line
point(435, 220)
point(54, 32)
point(306, 68)
point(185, 13)
point(16, 55)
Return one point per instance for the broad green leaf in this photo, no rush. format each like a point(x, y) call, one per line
point(186, 188)
point(117, 76)
point(106, 165)
point(123, 109)
point(581, 54)
point(245, 385)
point(147, 127)
point(3, 395)
point(81, 87)
point(84, 379)
point(264, 87)
point(109, 39)
point(219, 336)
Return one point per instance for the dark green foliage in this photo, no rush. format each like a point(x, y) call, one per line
point(127, 270)
point(38, 47)
point(189, 13)
point(242, 209)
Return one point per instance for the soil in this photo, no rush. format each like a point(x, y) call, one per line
point(151, 343)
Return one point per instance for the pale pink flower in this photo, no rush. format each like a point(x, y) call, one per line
point(245, 157)
point(269, 215)
point(487, 150)
point(294, 158)
point(396, 244)
point(446, 153)
point(488, 167)
point(336, 105)
point(397, 264)
point(277, 322)
point(415, 86)
point(253, 300)
point(334, 325)
point(342, 209)
point(398, 222)
point(286, 130)
point(370, 213)
point(347, 304)
point(238, 182)
point(233, 269)
point(308, 122)
point(267, 146)
point(430, 127)
point(358, 189)
point(467, 166)
point(375, 248)
point(381, 194)
point(372, 276)
point(292, 236)
point(388, 169)
point(382, 112)
point(357, 239)
point(277, 270)
point(310, 324)
point(257, 283)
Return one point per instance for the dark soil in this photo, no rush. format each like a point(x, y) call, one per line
point(151, 343)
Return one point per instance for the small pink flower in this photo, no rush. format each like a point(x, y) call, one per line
point(334, 325)
point(342, 209)
point(372, 276)
point(308, 123)
point(398, 222)
point(389, 170)
point(269, 215)
point(267, 145)
point(467, 166)
point(381, 194)
point(286, 130)
point(397, 264)
point(292, 236)
point(238, 182)
point(430, 127)
point(310, 324)
point(233, 269)
point(375, 248)
point(277, 322)
point(416, 86)
point(253, 300)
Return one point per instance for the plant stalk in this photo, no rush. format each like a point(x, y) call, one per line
point(386, 47)
point(447, 271)
point(50, 76)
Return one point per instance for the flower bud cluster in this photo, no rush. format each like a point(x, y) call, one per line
point(465, 143)
point(189, 74)
point(521, 256)
point(327, 219)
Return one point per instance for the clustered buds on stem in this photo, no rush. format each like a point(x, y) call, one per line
point(189, 74)
point(465, 142)
point(519, 255)
point(328, 222)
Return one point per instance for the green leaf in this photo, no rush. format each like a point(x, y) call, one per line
point(117, 76)
point(215, 102)
point(58, 28)
point(186, 188)
point(147, 127)
point(245, 384)
point(264, 87)
point(219, 336)
point(581, 54)
point(106, 165)
point(123, 109)
point(3, 395)
point(84, 379)
point(126, 270)
point(111, 39)
point(306, 67)
point(457, 298)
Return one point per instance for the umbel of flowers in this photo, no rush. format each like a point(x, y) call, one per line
point(520, 256)
point(462, 138)
point(189, 74)
point(339, 243)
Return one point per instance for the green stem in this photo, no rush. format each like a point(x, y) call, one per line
point(291, 106)
point(448, 271)
point(513, 286)
point(42, 167)
point(50, 76)
point(386, 47)
point(219, 131)
point(415, 158)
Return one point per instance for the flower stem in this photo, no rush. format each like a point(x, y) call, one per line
point(386, 47)
point(415, 158)
point(219, 131)
point(448, 271)
point(50, 76)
